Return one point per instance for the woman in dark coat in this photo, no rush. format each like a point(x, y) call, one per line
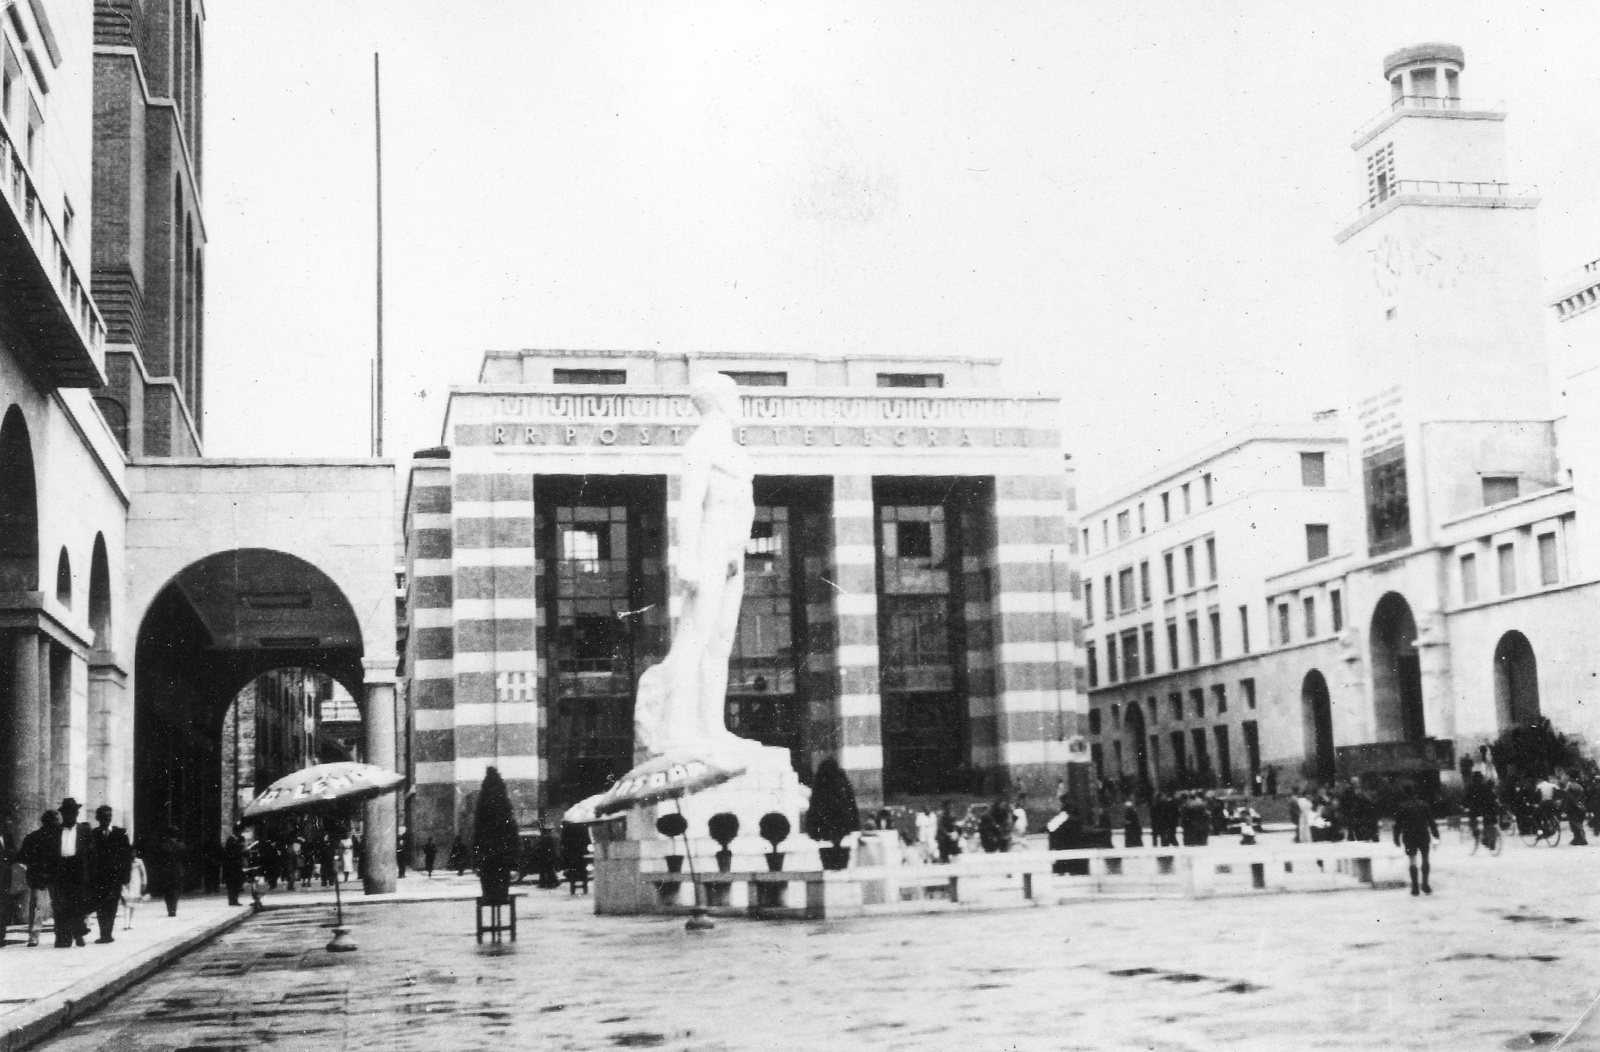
point(1132, 830)
point(166, 870)
point(233, 867)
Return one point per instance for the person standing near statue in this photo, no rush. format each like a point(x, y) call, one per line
point(111, 858)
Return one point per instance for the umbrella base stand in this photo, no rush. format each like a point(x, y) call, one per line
point(699, 921)
point(342, 942)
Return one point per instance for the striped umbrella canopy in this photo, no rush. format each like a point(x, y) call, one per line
point(323, 786)
point(582, 813)
point(664, 777)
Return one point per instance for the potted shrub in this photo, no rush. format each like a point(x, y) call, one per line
point(495, 838)
point(833, 814)
point(724, 827)
point(774, 829)
point(672, 826)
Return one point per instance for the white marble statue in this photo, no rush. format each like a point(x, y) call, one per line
point(680, 702)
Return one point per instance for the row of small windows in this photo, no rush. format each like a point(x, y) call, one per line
point(744, 378)
point(1283, 608)
point(1181, 761)
point(1505, 560)
point(1313, 474)
point(1180, 706)
point(1137, 647)
point(1125, 599)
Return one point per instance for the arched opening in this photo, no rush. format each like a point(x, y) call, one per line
point(1516, 681)
point(19, 507)
point(1317, 717)
point(218, 626)
point(100, 594)
point(1396, 672)
point(1133, 723)
point(64, 579)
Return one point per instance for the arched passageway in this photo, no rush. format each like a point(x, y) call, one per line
point(19, 507)
point(22, 774)
point(1516, 681)
point(215, 628)
point(1317, 717)
point(1396, 672)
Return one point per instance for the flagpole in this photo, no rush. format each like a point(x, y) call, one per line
point(377, 125)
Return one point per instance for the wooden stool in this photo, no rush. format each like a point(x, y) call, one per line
point(497, 920)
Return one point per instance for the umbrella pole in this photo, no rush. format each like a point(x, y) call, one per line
point(698, 919)
point(341, 941)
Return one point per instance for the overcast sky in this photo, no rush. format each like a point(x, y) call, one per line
point(1133, 203)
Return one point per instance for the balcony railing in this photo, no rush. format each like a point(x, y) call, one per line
point(1428, 102)
point(67, 333)
point(1441, 188)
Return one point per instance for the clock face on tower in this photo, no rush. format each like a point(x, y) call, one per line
point(1387, 261)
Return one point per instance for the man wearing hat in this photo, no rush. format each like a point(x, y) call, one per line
point(112, 864)
point(69, 884)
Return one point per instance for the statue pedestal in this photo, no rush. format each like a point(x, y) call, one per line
point(627, 851)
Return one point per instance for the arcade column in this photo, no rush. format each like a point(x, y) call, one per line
point(859, 724)
point(29, 733)
point(381, 825)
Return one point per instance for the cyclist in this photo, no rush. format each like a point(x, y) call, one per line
point(1545, 810)
point(1483, 810)
point(1415, 830)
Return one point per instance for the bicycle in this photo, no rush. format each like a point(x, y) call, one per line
point(1543, 824)
point(1492, 839)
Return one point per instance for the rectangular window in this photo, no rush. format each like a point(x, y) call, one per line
point(1197, 703)
point(1549, 566)
point(1283, 624)
point(1172, 643)
point(1247, 687)
point(1098, 757)
point(10, 70)
point(1469, 578)
point(1194, 640)
point(1316, 541)
point(1111, 609)
point(1211, 559)
point(1202, 751)
point(1175, 705)
point(746, 378)
point(1130, 654)
point(1094, 721)
point(1166, 507)
point(1244, 630)
point(1498, 488)
point(1216, 635)
point(1088, 602)
point(590, 376)
point(1172, 581)
point(35, 123)
point(1125, 589)
point(1313, 470)
point(1141, 516)
point(1311, 616)
point(1124, 528)
point(1111, 659)
point(1086, 542)
point(1116, 717)
point(1508, 569)
point(1388, 505)
point(1205, 481)
point(1155, 715)
point(1188, 565)
point(67, 218)
point(1224, 755)
point(1093, 665)
point(1180, 751)
point(1149, 650)
point(911, 379)
point(1336, 609)
point(1219, 698)
point(1188, 505)
point(1144, 583)
point(1116, 758)
point(1105, 533)
point(1252, 746)
point(1155, 756)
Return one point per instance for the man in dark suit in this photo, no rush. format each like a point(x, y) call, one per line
point(112, 858)
point(37, 855)
point(69, 884)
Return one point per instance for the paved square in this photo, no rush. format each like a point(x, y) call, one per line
point(1505, 947)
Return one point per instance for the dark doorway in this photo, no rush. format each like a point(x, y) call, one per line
point(1133, 723)
point(1317, 717)
point(1396, 672)
point(1516, 681)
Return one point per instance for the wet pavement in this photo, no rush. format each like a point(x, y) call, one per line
point(1503, 955)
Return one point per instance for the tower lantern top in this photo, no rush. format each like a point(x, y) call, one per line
point(1425, 71)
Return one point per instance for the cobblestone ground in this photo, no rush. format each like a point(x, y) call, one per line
point(1506, 947)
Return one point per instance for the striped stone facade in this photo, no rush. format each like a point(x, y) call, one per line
point(484, 639)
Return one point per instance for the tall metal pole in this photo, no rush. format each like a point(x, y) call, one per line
point(377, 123)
